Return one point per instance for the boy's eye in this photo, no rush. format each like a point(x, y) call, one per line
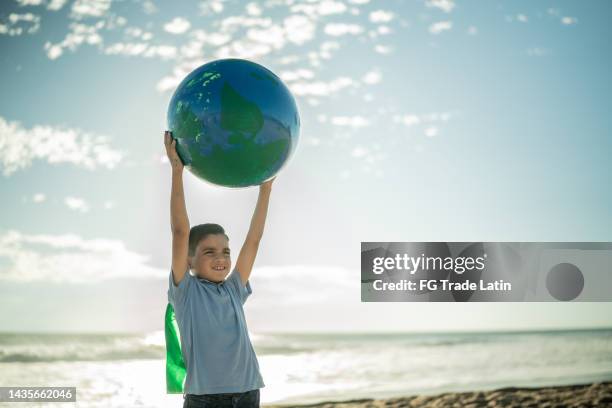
point(213, 252)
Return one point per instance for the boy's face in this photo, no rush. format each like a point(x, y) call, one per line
point(212, 259)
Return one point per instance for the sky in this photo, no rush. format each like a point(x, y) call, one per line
point(433, 120)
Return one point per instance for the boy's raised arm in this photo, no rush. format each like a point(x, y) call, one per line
point(248, 253)
point(179, 223)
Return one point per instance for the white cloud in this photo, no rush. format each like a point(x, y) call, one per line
point(301, 73)
point(381, 16)
point(210, 7)
point(246, 49)
point(142, 49)
point(303, 285)
point(383, 49)
point(77, 204)
point(298, 29)
point(231, 23)
point(179, 72)
point(522, 18)
point(273, 35)
point(320, 88)
point(569, 20)
point(431, 131)
point(472, 30)
point(194, 47)
point(18, 24)
point(444, 5)
point(325, 51)
point(70, 258)
point(39, 197)
point(327, 47)
point(23, 3)
point(408, 120)
point(288, 59)
point(177, 26)
point(149, 7)
point(162, 51)
point(350, 121)
point(323, 8)
point(327, 7)
point(53, 51)
point(383, 30)
point(412, 119)
point(437, 28)
point(19, 147)
point(216, 39)
point(368, 156)
point(134, 32)
point(372, 77)
point(253, 9)
point(55, 5)
point(262, 37)
point(89, 8)
point(130, 49)
point(359, 151)
point(435, 116)
point(109, 205)
point(337, 29)
point(79, 34)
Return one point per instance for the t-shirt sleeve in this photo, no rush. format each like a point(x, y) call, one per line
point(241, 290)
point(178, 294)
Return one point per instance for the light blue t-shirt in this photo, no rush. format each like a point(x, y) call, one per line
point(215, 343)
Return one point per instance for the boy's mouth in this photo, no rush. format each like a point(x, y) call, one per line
point(218, 268)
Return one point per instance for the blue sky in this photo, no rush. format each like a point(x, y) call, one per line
point(432, 120)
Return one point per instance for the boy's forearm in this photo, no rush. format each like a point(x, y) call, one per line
point(259, 216)
point(178, 211)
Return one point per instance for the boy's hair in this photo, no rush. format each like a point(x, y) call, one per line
point(199, 232)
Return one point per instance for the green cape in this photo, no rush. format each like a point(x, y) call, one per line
point(175, 366)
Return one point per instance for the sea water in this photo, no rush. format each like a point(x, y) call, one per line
point(128, 370)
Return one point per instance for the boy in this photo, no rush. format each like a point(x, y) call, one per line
point(222, 368)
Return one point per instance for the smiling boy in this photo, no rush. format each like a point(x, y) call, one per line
point(222, 368)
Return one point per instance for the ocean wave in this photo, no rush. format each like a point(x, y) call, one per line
point(307, 343)
point(33, 348)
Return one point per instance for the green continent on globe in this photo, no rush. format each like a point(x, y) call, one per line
point(232, 166)
point(238, 114)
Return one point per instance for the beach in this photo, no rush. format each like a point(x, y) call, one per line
point(572, 396)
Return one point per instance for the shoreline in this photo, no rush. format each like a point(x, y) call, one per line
point(598, 394)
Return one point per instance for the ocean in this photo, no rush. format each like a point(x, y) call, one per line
point(128, 370)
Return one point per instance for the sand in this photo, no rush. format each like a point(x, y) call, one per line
point(589, 395)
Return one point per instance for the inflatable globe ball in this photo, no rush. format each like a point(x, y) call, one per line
point(235, 122)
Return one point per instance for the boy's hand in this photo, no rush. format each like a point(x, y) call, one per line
point(267, 186)
point(170, 143)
